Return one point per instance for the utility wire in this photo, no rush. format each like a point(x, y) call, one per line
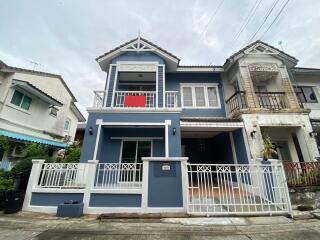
point(274, 4)
point(248, 19)
point(212, 18)
point(275, 19)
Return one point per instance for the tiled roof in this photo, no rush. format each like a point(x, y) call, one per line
point(131, 41)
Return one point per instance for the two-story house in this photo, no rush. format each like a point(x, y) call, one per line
point(168, 138)
point(35, 107)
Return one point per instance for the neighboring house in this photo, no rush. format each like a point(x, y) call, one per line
point(306, 83)
point(168, 138)
point(81, 127)
point(35, 107)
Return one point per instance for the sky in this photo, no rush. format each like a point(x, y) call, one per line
point(65, 37)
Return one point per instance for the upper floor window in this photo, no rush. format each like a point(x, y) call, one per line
point(200, 96)
point(305, 94)
point(21, 100)
point(66, 126)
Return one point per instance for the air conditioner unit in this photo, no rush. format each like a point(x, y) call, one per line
point(17, 151)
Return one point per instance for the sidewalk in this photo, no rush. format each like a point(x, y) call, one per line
point(46, 227)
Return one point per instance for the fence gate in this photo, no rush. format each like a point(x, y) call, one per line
point(237, 189)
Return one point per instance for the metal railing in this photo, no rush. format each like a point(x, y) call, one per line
point(171, 99)
point(237, 101)
point(302, 174)
point(271, 100)
point(98, 99)
point(120, 96)
point(62, 175)
point(237, 189)
point(119, 176)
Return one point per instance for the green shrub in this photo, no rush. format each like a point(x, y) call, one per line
point(4, 144)
point(35, 149)
point(72, 154)
point(6, 181)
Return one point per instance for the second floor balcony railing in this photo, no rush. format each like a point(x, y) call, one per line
point(271, 100)
point(171, 99)
point(134, 99)
point(236, 102)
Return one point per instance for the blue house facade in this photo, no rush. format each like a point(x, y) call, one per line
point(164, 138)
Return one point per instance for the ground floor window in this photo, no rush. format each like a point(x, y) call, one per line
point(133, 151)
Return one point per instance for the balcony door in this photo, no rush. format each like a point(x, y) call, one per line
point(132, 153)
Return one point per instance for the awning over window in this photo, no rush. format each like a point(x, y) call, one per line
point(26, 138)
point(28, 87)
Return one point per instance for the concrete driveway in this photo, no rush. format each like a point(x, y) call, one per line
point(46, 227)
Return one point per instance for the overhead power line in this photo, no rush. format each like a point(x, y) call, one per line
point(213, 16)
point(248, 19)
point(274, 4)
point(275, 19)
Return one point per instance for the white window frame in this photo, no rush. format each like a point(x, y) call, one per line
point(194, 104)
point(67, 130)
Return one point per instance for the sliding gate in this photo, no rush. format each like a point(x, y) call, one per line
point(237, 189)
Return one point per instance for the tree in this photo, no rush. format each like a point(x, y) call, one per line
point(72, 153)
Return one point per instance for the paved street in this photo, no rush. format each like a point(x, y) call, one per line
point(33, 226)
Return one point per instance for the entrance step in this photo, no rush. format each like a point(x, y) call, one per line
point(108, 216)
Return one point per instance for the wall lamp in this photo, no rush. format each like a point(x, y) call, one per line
point(90, 130)
point(174, 131)
point(313, 134)
point(253, 133)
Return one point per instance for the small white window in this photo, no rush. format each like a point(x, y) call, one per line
point(66, 127)
point(200, 96)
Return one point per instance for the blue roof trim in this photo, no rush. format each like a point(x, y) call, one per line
point(31, 139)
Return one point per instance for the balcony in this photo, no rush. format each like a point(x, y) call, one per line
point(271, 100)
point(136, 99)
point(265, 100)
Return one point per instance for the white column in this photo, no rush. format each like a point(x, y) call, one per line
point(145, 181)
point(233, 148)
point(96, 146)
point(184, 181)
point(33, 181)
point(167, 124)
point(90, 176)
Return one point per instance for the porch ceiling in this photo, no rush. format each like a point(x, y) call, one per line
point(206, 126)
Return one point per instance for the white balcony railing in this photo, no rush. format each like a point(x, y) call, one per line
point(98, 99)
point(62, 175)
point(171, 99)
point(119, 176)
point(148, 99)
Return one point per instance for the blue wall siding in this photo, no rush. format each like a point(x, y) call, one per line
point(110, 148)
point(165, 187)
point(54, 199)
point(112, 80)
point(89, 140)
point(139, 56)
point(173, 81)
point(240, 147)
point(115, 200)
point(160, 85)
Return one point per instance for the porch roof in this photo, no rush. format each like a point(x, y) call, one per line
point(211, 124)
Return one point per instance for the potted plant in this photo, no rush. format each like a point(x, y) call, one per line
point(268, 149)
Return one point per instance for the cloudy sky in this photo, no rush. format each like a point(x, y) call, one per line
point(65, 37)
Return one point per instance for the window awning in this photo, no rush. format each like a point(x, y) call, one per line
point(28, 87)
point(26, 138)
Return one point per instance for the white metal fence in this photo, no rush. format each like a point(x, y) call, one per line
point(120, 96)
point(119, 176)
point(62, 175)
point(237, 189)
point(171, 99)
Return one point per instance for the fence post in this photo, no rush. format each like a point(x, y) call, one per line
point(145, 181)
point(33, 181)
point(91, 173)
point(285, 182)
point(185, 183)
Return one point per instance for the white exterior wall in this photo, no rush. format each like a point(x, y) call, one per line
point(313, 81)
point(253, 122)
point(37, 118)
